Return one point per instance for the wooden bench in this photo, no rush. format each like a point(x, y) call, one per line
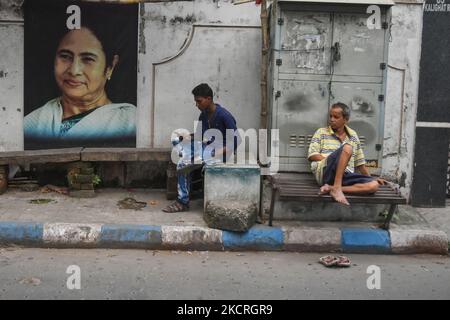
point(84, 154)
point(296, 187)
point(81, 157)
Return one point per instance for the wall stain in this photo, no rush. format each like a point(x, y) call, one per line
point(142, 45)
point(179, 20)
point(393, 154)
point(364, 128)
point(402, 180)
point(298, 102)
point(13, 6)
point(361, 105)
point(3, 74)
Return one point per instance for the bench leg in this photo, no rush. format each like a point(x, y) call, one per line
point(272, 205)
point(392, 209)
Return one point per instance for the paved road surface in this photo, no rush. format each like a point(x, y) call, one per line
point(140, 274)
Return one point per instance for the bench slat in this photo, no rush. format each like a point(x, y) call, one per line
point(40, 156)
point(295, 193)
point(351, 199)
point(315, 188)
point(314, 185)
point(84, 154)
point(125, 154)
point(314, 192)
point(304, 188)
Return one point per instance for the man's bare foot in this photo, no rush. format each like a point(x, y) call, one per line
point(325, 189)
point(338, 195)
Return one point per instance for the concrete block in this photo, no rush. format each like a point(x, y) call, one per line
point(419, 241)
point(232, 182)
point(21, 233)
point(326, 211)
point(82, 178)
point(131, 236)
point(232, 216)
point(359, 240)
point(191, 238)
point(312, 239)
point(71, 234)
point(231, 196)
point(89, 171)
point(257, 238)
point(87, 186)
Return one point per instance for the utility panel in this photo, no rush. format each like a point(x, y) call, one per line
point(322, 53)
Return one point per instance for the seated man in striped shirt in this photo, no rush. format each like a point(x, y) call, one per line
point(334, 153)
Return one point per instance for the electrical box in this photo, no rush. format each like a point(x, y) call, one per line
point(322, 53)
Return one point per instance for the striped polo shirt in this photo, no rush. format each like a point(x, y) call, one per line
point(325, 142)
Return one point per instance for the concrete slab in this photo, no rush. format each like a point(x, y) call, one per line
point(359, 240)
point(69, 234)
point(418, 241)
point(257, 238)
point(131, 236)
point(309, 239)
point(20, 233)
point(191, 238)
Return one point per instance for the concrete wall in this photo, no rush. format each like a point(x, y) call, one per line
point(210, 41)
point(402, 93)
point(11, 76)
point(182, 44)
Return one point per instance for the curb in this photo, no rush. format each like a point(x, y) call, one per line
point(258, 238)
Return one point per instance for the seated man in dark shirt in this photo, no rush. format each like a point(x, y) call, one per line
point(213, 116)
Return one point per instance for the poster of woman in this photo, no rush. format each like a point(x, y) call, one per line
point(80, 74)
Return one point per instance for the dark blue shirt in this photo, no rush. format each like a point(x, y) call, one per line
point(221, 120)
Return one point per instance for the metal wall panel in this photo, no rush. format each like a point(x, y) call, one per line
point(362, 99)
point(305, 42)
point(360, 49)
point(301, 107)
point(322, 57)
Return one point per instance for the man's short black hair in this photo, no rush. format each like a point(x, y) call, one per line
point(202, 90)
point(345, 109)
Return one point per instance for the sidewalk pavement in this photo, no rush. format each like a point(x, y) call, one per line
point(98, 222)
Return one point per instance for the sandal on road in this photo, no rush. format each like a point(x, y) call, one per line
point(176, 207)
point(343, 261)
point(328, 261)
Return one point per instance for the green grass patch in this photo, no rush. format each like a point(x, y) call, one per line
point(41, 201)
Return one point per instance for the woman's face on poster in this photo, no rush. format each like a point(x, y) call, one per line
point(80, 66)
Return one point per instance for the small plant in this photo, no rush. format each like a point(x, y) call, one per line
point(96, 180)
point(41, 201)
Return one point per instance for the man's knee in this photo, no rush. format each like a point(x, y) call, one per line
point(347, 149)
point(372, 186)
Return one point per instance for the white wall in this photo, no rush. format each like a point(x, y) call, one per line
point(210, 41)
point(402, 96)
point(11, 76)
point(231, 64)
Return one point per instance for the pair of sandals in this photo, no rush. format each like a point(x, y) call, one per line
point(332, 261)
point(176, 207)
